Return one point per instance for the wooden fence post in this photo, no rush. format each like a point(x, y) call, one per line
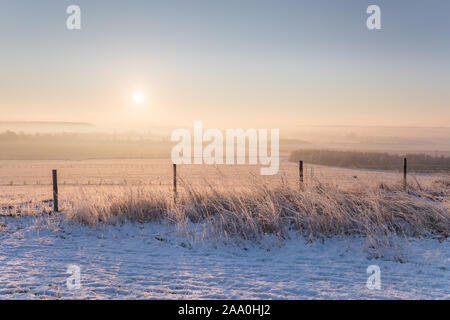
point(405, 170)
point(55, 190)
point(174, 180)
point(300, 172)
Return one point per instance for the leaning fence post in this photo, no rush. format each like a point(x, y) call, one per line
point(55, 190)
point(174, 180)
point(405, 170)
point(300, 172)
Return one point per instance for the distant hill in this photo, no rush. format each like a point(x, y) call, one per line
point(45, 126)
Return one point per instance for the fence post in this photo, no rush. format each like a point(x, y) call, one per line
point(405, 170)
point(55, 190)
point(174, 180)
point(300, 172)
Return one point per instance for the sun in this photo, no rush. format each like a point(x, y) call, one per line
point(138, 97)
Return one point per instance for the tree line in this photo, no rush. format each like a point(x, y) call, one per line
point(418, 162)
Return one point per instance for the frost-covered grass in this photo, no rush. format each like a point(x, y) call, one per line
point(233, 201)
point(376, 211)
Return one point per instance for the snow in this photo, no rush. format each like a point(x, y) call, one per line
point(157, 261)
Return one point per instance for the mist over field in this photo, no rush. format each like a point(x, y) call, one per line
point(62, 140)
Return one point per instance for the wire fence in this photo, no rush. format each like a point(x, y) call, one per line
point(151, 173)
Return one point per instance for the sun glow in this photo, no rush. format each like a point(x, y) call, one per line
point(138, 97)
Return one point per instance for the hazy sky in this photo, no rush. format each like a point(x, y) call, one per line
point(230, 63)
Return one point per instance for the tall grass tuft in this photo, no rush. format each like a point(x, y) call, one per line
point(376, 211)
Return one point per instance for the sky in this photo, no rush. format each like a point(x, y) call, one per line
point(246, 63)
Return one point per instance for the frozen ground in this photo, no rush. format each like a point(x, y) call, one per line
point(155, 261)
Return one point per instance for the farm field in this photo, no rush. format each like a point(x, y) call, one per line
point(121, 226)
point(20, 179)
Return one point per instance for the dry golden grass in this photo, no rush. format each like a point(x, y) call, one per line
point(236, 201)
point(318, 210)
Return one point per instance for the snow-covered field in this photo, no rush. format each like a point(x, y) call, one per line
point(155, 260)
